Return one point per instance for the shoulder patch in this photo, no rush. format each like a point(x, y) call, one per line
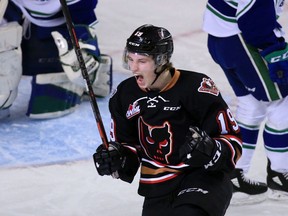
point(208, 86)
point(133, 110)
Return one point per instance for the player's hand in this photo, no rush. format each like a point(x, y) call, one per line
point(109, 161)
point(277, 59)
point(200, 150)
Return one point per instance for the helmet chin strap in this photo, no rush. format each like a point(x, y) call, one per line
point(162, 66)
point(158, 74)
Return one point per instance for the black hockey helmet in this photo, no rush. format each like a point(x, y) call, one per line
point(150, 40)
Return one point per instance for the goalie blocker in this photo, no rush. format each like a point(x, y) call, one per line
point(60, 90)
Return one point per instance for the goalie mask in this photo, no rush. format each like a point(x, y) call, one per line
point(152, 41)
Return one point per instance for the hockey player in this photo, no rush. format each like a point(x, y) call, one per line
point(176, 126)
point(246, 40)
point(46, 53)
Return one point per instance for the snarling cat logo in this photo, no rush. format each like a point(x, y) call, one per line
point(156, 140)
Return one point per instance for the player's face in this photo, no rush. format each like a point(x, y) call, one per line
point(143, 68)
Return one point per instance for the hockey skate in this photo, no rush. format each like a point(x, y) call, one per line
point(277, 183)
point(245, 190)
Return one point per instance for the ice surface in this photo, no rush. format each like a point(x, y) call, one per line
point(46, 167)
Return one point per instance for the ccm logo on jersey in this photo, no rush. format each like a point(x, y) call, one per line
point(172, 108)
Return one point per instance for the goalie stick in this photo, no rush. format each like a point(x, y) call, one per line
point(85, 75)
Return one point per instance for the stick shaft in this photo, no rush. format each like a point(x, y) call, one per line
point(85, 75)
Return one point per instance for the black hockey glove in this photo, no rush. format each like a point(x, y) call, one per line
point(200, 150)
point(109, 161)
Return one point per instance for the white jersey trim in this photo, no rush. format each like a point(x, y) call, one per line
point(41, 9)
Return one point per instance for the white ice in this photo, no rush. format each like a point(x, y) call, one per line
point(46, 167)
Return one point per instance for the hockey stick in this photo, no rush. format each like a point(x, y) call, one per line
point(85, 75)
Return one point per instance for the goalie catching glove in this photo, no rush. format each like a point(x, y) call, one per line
point(200, 150)
point(99, 67)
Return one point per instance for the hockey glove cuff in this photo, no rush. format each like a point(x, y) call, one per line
point(277, 58)
point(200, 150)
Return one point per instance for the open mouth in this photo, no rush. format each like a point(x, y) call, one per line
point(139, 77)
point(139, 80)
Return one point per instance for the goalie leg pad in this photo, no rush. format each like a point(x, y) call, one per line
point(10, 63)
point(103, 81)
point(10, 73)
point(6, 101)
point(3, 6)
point(53, 95)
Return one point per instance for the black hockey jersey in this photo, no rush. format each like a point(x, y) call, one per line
point(153, 125)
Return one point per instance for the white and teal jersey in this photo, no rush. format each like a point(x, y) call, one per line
point(41, 13)
point(223, 18)
point(47, 13)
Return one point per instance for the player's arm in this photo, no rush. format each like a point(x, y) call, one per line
point(215, 142)
point(121, 158)
point(212, 152)
point(257, 21)
point(82, 12)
